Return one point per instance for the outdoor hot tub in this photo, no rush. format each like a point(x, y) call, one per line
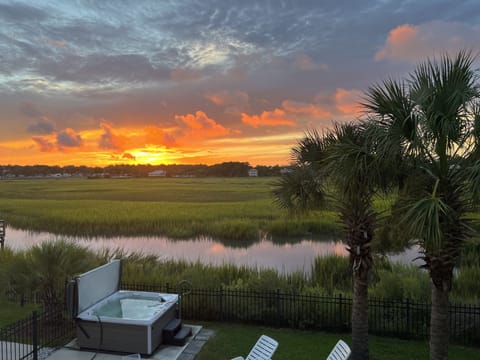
point(113, 320)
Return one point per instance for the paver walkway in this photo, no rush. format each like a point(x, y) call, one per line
point(194, 346)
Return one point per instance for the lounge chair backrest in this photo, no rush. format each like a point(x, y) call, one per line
point(263, 349)
point(341, 351)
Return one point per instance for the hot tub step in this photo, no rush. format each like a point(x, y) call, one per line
point(181, 337)
point(171, 329)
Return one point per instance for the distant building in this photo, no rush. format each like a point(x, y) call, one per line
point(252, 172)
point(157, 173)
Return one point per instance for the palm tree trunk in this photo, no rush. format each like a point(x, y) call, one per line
point(439, 323)
point(360, 315)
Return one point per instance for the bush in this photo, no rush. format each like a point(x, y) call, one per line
point(48, 265)
point(465, 284)
point(399, 282)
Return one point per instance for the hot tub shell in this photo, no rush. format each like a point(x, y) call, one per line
point(124, 333)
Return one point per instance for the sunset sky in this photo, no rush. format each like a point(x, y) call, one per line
point(189, 82)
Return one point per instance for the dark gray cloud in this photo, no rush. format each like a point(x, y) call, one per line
point(143, 42)
point(125, 58)
point(41, 126)
point(68, 138)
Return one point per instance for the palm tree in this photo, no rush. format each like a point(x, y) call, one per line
point(431, 125)
point(343, 159)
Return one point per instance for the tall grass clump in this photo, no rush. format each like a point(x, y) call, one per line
point(320, 222)
point(466, 285)
point(470, 254)
point(146, 270)
point(43, 269)
point(394, 281)
point(332, 274)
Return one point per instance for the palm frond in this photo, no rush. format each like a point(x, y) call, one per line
point(300, 190)
point(422, 220)
point(391, 100)
point(442, 91)
point(310, 150)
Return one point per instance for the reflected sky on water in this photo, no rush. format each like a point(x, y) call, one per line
point(286, 257)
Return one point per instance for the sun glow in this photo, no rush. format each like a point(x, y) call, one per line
point(148, 156)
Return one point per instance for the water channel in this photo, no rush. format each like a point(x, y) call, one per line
point(284, 257)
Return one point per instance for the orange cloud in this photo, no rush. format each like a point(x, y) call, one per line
point(307, 109)
point(413, 43)
point(236, 102)
point(128, 156)
point(347, 101)
point(44, 144)
point(157, 136)
point(402, 38)
point(68, 138)
point(200, 125)
point(276, 117)
point(216, 98)
point(65, 141)
point(109, 139)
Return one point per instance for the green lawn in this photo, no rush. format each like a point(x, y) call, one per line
point(232, 340)
point(11, 312)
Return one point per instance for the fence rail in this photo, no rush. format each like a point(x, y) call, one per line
point(401, 318)
point(408, 319)
point(26, 338)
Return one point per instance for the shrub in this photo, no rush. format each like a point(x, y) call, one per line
point(45, 267)
point(465, 285)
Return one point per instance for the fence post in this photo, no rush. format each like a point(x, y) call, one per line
point(277, 303)
point(2, 233)
point(168, 288)
point(340, 312)
point(35, 335)
point(408, 316)
point(221, 303)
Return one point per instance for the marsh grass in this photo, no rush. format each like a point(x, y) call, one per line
point(232, 209)
point(238, 211)
point(41, 272)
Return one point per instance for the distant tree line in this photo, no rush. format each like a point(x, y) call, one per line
point(225, 169)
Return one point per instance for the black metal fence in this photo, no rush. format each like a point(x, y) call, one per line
point(407, 319)
point(2, 234)
point(27, 338)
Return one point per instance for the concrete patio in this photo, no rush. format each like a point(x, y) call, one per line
point(187, 352)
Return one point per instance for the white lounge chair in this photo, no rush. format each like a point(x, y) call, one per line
point(341, 351)
point(263, 349)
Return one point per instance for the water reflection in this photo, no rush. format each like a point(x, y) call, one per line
point(284, 257)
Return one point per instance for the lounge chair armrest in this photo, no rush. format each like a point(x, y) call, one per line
point(238, 358)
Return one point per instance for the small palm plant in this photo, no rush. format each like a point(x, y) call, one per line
point(50, 263)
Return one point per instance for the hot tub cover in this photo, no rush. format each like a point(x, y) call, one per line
point(97, 284)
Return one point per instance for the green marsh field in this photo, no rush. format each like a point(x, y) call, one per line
point(223, 208)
